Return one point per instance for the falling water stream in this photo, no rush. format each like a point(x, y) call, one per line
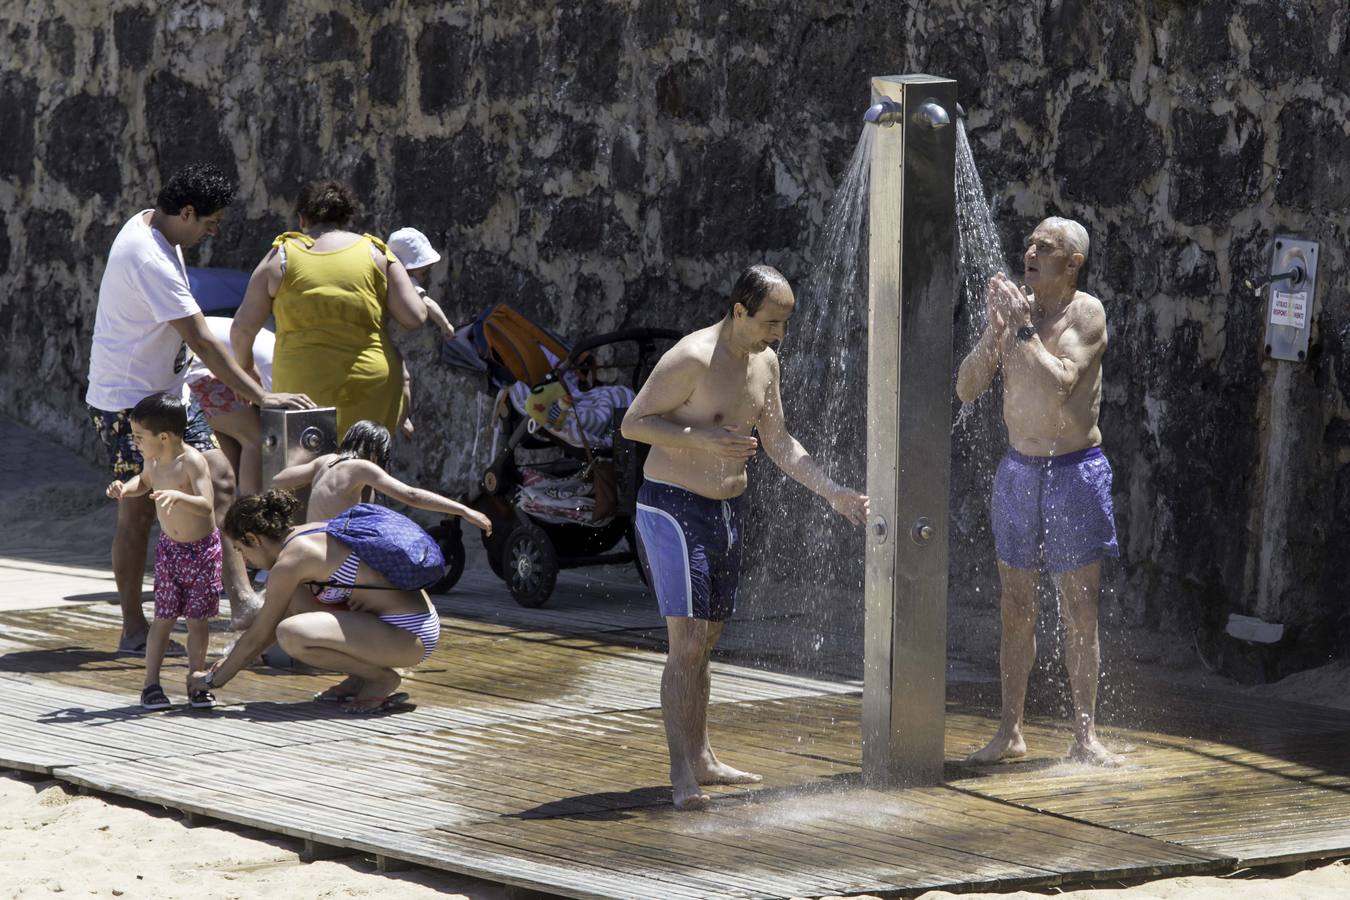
point(979, 253)
point(805, 560)
point(979, 259)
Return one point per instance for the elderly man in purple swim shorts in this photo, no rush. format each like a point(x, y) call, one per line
point(1052, 494)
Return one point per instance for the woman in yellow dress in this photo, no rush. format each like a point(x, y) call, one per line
point(331, 291)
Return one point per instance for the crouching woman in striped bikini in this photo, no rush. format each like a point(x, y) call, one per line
point(326, 606)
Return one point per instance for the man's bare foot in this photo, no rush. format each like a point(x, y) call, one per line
point(690, 799)
point(720, 773)
point(1094, 753)
point(685, 790)
point(241, 623)
point(243, 610)
point(1003, 746)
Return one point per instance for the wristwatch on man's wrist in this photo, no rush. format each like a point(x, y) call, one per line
point(210, 678)
point(1026, 332)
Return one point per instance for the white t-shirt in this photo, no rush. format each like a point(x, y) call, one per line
point(136, 351)
point(263, 344)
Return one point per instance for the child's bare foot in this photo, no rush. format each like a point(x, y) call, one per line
point(1007, 744)
point(1094, 753)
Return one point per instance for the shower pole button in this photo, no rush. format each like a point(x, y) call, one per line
point(878, 529)
point(922, 532)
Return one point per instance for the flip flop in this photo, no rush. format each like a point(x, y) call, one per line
point(138, 648)
point(393, 701)
point(330, 695)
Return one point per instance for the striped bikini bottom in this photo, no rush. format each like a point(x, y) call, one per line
point(425, 626)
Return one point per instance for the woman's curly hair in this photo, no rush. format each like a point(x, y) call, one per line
point(268, 515)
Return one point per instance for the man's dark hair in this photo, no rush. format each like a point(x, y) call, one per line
point(199, 185)
point(753, 286)
point(327, 202)
point(161, 412)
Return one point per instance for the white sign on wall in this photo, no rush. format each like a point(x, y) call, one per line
point(1288, 308)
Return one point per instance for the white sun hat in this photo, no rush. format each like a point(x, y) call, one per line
point(412, 248)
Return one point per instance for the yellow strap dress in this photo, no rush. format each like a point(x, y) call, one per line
point(331, 340)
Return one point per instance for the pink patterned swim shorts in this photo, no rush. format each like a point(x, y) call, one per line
point(187, 578)
point(214, 396)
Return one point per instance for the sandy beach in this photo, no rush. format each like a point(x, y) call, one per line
point(1323, 883)
point(58, 842)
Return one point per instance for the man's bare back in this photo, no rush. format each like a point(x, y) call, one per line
point(724, 393)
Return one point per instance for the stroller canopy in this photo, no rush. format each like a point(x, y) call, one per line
point(506, 345)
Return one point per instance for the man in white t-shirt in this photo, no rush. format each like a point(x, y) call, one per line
point(145, 329)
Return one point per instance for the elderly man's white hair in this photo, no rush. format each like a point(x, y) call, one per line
point(1075, 235)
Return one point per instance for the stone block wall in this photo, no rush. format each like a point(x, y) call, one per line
point(604, 164)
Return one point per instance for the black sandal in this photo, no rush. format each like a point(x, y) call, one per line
point(154, 698)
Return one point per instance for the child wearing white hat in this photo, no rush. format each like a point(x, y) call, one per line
point(414, 250)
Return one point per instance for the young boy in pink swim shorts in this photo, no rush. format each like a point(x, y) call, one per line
point(187, 557)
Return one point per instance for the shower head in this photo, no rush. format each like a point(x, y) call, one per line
point(886, 112)
point(932, 114)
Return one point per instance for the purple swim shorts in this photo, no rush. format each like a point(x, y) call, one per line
point(1054, 512)
point(187, 577)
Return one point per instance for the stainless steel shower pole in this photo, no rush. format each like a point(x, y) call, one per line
point(911, 292)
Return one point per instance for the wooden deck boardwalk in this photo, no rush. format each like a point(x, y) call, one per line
point(536, 757)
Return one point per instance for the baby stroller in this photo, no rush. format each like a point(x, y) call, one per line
point(561, 487)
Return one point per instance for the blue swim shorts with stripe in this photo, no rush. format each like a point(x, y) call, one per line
point(690, 546)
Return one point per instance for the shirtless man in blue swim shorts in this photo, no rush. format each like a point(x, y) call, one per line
point(698, 411)
point(1052, 494)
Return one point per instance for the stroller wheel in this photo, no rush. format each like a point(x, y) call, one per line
point(529, 565)
point(451, 541)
